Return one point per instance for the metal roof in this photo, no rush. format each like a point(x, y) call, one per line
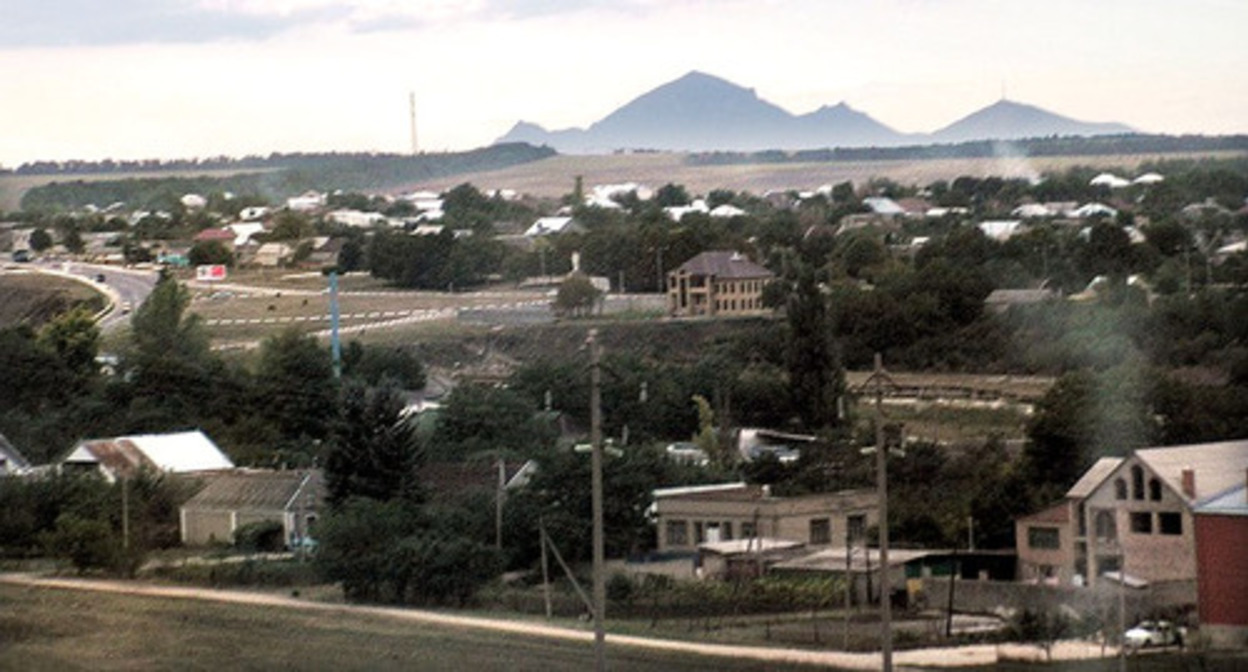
point(179, 452)
point(1216, 466)
point(1093, 477)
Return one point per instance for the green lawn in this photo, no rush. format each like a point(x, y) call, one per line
point(55, 629)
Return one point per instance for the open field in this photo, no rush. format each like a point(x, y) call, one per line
point(556, 176)
point(114, 632)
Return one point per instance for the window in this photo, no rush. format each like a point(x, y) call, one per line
point(1137, 482)
point(856, 526)
point(1169, 522)
point(747, 531)
point(1106, 526)
point(677, 533)
point(820, 532)
point(1120, 489)
point(1142, 522)
point(699, 533)
point(1154, 489)
point(1044, 537)
point(725, 530)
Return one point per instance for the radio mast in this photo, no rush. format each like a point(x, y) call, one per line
point(411, 103)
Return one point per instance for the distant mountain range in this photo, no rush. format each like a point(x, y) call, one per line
point(701, 112)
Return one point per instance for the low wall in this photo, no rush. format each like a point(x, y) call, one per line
point(1169, 599)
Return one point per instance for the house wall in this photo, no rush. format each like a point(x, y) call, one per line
point(1039, 564)
point(778, 518)
point(1153, 556)
point(691, 295)
point(1222, 583)
point(200, 528)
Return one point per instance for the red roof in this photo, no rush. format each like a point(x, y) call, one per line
point(223, 234)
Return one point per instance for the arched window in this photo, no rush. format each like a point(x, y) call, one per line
point(1106, 527)
point(1120, 489)
point(1137, 482)
point(1154, 489)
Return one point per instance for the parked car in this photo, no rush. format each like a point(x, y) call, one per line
point(1153, 633)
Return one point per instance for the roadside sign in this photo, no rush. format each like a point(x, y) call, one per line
point(210, 273)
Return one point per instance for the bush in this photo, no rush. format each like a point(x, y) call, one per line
point(264, 536)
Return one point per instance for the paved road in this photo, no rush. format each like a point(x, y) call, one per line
point(125, 288)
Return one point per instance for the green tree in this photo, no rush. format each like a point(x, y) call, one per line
point(295, 386)
point(817, 380)
point(210, 252)
point(671, 195)
point(75, 339)
point(374, 452)
point(577, 296)
point(40, 240)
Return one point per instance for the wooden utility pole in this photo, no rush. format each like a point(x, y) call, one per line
point(878, 380)
point(595, 423)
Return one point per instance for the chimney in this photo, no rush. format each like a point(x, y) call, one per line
point(1189, 483)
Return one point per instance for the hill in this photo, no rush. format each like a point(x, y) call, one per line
point(1009, 120)
point(701, 112)
point(78, 184)
point(34, 299)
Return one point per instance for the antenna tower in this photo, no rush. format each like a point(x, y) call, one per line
point(411, 103)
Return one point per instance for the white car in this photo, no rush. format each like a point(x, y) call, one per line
point(1152, 633)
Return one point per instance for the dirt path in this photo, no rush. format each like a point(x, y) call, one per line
point(945, 657)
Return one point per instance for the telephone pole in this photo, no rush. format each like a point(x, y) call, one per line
point(595, 423)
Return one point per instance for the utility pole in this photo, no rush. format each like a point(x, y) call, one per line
point(595, 423)
point(878, 380)
point(335, 343)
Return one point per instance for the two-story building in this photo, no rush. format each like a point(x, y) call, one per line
point(717, 283)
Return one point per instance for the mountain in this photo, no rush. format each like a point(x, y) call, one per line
point(1008, 120)
point(700, 112)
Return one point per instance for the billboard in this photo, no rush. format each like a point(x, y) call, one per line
point(210, 273)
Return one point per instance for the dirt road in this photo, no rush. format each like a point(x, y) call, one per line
point(946, 657)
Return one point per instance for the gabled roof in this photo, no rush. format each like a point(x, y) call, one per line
point(545, 226)
point(179, 452)
point(726, 265)
point(258, 491)
point(1216, 466)
point(1093, 477)
point(1058, 513)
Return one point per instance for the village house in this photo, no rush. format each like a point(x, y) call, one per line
point(123, 456)
point(230, 501)
point(1131, 517)
point(691, 516)
point(717, 283)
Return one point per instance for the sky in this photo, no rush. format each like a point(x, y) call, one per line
point(169, 79)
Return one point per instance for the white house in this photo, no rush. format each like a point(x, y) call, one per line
point(1002, 229)
point(547, 226)
point(177, 453)
point(356, 218)
point(307, 201)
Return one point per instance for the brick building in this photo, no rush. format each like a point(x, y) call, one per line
point(717, 283)
point(1131, 514)
point(1222, 566)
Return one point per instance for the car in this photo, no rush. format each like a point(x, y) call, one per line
point(1153, 633)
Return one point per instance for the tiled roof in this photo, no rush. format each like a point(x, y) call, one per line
point(724, 265)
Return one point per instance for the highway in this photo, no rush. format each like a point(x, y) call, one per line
point(126, 288)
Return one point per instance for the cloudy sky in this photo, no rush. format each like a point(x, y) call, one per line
point(131, 79)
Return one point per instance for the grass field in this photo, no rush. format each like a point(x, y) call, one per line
point(556, 176)
point(35, 298)
point(53, 629)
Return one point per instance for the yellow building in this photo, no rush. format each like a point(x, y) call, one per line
point(717, 283)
